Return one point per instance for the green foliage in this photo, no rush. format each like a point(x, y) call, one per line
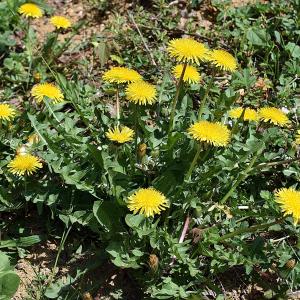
point(9, 280)
point(220, 218)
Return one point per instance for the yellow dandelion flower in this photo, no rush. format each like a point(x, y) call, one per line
point(289, 200)
point(24, 164)
point(6, 112)
point(30, 10)
point(121, 75)
point(187, 49)
point(141, 92)
point(223, 59)
point(120, 136)
point(249, 115)
point(216, 134)
point(147, 202)
point(49, 90)
point(273, 115)
point(297, 140)
point(60, 22)
point(191, 75)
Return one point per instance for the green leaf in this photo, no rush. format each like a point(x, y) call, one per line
point(293, 49)
point(21, 242)
point(257, 36)
point(102, 50)
point(9, 280)
point(4, 262)
point(134, 221)
point(117, 58)
point(108, 214)
point(121, 258)
point(9, 283)
point(97, 155)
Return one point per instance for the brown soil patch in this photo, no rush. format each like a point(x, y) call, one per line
point(38, 263)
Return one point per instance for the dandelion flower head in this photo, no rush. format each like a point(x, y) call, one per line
point(191, 75)
point(30, 10)
point(120, 136)
point(223, 59)
point(216, 134)
point(141, 92)
point(289, 200)
point(60, 22)
point(49, 90)
point(6, 112)
point(187, 49)
point(147, 202)
point(121, 75)
point(249, 115)
point(24, 164)
point(273, 115)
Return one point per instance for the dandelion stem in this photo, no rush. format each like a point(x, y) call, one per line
point(250, 229)
point(182, 236)
point(174, 103)
point(185, 229)
point(192, 166)
point(29, 49)
point(203, 102)
point(277, 163)
point(118, 105)
point(136, 115)
point(61, 247)
point(241, 177)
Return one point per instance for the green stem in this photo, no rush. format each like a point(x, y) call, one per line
point(207, 151)
point(118, 105)
point(61, 247)
point(192, 166)
point(51, 111)
point(25, 185)
point(29, 49)
point(50, 54)
point(178, 87)
point(241, 177)
point(250, 229)
point(277, 163)
point(136, 115)
point(203, 102)
point(66, 44)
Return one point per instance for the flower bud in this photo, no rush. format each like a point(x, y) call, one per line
point(37, 76)
point(142, 150)
point(87, 296)
point(153, 262)
point(290, 264)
